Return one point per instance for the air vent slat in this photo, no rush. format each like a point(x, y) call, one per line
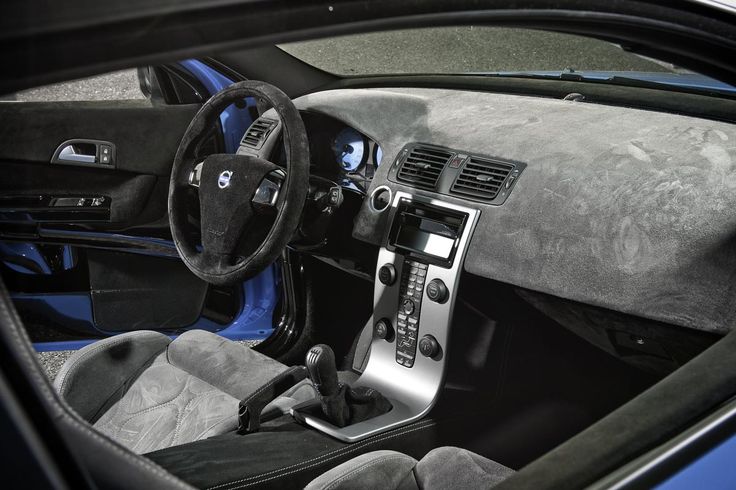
point(423, 166)
point(481, 179)
point(258, 132)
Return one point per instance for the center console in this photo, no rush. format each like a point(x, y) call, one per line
point(417, 277)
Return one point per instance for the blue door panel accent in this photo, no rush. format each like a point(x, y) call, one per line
point(234, 120)
point(29, 258)
point(254, 320)
point(713, 470)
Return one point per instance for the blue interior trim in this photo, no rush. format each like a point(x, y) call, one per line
point(28, 252)
point(234, 121)
point(713, 470)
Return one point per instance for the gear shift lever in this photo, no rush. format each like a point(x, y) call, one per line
point(322, 371)
point(341, 404)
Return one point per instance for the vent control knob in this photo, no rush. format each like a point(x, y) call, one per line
point(387, 274)
point(437, 291)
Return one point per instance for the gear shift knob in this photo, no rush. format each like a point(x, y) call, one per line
point(320, 363)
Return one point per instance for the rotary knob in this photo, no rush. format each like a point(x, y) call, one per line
point(387, 274)
point(437, 291)
point(428, 346)
point(383, 329)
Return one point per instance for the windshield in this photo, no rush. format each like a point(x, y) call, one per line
point(480, 50)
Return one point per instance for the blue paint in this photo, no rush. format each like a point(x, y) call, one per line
point(713, 470)
point(67, 258)
point(28, 252)
point(234, 121)
point(73, 310)
point(254, 321)
point(681, 80)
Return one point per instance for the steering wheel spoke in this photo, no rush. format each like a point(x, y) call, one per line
point(195, 176)
point(267, 194)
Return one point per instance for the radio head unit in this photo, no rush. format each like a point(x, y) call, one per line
point(428, 233)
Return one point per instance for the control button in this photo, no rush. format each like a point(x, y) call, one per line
point(428, 346)
point(407, 306)
point(437, 291)
point(387, 274)
point(334, 197)
point(457, 161)
point(383, 330)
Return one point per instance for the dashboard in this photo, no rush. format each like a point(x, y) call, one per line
point(617, 207)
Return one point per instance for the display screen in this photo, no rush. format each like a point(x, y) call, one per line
point(429, 232)
point(425, 242)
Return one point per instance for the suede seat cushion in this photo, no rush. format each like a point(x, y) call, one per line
point(445, 468)
point(148, 393)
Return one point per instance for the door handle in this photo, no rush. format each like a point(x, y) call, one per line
point(76, 153)
point(85, 152)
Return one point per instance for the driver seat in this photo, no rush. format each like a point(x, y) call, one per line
point(148, 392)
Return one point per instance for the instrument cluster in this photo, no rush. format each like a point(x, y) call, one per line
point(341, 153)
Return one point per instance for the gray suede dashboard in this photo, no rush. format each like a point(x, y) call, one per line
point(621, 208)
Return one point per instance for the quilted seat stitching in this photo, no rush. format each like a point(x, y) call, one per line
point(182, 413)
point(171, 402)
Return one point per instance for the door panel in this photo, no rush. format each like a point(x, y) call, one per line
point(146, 136)
point(91, 252)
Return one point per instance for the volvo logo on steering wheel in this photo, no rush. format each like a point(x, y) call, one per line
point(224, 179)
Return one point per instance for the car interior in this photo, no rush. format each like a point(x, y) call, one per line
point(269, 273)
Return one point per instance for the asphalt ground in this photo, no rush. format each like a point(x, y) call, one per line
point(120, 85)
point(465, 49)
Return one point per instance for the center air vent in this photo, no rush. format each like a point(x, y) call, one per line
point(258, 132)
point(481, 179)
point(423, 165)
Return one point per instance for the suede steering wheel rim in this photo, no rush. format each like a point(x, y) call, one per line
point(227, 187)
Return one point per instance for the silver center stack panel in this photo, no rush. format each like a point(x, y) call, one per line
point(411, 385)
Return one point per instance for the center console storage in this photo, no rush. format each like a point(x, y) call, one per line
point(417, 276)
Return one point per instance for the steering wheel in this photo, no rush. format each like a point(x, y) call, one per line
point(234, 190)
